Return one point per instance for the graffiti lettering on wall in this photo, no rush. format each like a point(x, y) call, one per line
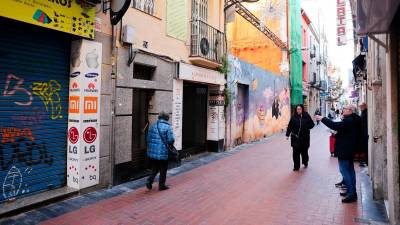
point(11, 133)
point(10, 91)
point(24, 151)
point(49, 94)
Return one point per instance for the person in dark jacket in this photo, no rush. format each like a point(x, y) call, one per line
point(160, 135)
point(348, 140)
point(365, 136)
point(299, 130)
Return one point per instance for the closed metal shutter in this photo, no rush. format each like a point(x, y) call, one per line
point(34, 82)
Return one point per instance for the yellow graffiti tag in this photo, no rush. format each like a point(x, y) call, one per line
point(48, 93)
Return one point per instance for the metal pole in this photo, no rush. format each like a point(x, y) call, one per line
point(113, 103)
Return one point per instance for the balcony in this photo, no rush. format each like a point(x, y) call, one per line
point(207, 47)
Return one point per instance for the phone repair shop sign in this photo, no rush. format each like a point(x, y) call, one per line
point(62, 15)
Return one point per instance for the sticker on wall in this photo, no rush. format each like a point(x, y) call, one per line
point(90, 105)
point(75, 74)
point(73, 104)
point(73, 135)
point(92, 59)
point(91, 75)
point(90, 135)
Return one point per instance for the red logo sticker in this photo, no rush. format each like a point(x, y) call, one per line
point(92, 86)
point(74, 85)
point(73, 135)
point(90, 135)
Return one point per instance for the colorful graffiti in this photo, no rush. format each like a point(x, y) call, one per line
point(17, 88)
point(49, 94)
point(260, 103)
point(24, 157)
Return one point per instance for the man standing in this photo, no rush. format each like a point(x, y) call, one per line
point(348, 138)
point(364, 145)
point(159, 137)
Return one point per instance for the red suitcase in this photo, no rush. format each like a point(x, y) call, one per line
point(332, 144)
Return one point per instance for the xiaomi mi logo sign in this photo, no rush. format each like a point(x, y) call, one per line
point(73, 104)
point(90, 105)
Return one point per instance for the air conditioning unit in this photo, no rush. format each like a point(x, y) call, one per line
point(204, 46)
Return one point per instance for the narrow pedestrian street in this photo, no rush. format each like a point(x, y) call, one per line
point(256, 185)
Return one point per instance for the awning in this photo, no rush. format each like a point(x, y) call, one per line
point(375, 16)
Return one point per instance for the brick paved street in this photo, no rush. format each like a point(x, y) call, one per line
point(253, 186)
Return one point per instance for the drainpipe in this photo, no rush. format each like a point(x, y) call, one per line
point(113, 103)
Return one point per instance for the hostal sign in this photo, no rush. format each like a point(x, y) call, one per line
point(62, 15)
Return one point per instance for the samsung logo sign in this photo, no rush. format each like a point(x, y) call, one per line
point(75, 74)
point(91, 75)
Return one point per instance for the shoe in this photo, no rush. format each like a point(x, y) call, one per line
point(350, 199)
point(163, 188)
point(149, 186)
point(305, 165)
point(343, 193)
point(340, 184)
point(296, 169)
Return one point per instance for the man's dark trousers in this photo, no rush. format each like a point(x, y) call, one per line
point(158, 166)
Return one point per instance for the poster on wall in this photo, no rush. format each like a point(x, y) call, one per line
point(177, 107)
point(84, 114)
point(62, 15)
point(216, 116)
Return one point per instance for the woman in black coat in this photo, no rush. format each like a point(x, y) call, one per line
point(299, 130)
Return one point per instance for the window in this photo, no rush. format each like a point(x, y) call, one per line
point(147, 6)
point(143, 72)
point(200, 10)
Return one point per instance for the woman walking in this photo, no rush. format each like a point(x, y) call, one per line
point(159, 137)
point(299, 130)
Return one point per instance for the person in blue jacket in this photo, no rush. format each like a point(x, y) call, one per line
point(160, 135)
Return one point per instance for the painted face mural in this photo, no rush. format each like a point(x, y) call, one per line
point(261, 113)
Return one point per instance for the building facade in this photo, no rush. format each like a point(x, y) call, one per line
point(381, 88)
point(54, 81)
point(258, 84)
point(164, 69)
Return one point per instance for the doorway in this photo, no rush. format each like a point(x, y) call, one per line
point(138, 166)
point(194, 126)
point(242, 108)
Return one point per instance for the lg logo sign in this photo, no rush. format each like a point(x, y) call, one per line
point(90, 135)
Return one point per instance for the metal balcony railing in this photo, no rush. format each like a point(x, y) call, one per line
point(206, 42)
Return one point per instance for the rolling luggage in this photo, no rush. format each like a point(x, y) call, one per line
point(332, 144)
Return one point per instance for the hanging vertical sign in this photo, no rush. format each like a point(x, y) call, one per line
point(84, 114)
point(341, 22)
point(177, 108)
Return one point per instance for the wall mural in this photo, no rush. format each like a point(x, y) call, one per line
point(260, 102)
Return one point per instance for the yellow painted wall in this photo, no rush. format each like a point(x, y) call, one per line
point(247, 43)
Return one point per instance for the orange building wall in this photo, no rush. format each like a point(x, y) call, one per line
point(247, 43)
